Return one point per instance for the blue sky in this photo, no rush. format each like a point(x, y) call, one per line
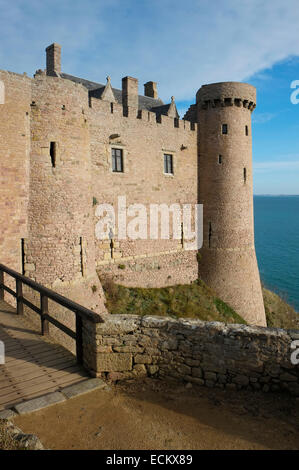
point(181, 45)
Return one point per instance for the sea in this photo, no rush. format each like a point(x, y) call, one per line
point(276, 220)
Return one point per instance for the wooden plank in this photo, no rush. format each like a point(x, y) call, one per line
point(40, 372)
point(48, 379)
point(4, 381)
point(26, 366)
point(37, 354)
point(50, 366)
point(35, 365)
point(11, 399)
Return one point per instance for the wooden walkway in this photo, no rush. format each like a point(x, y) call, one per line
point(34, 364)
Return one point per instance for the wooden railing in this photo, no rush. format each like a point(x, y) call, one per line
point(46, 294)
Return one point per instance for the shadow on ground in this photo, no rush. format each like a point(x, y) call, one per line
point(150, 414)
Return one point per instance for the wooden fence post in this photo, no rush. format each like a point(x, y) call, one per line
point(79, 339)
point(1, 283)
point(44, 311)
point(19, 293)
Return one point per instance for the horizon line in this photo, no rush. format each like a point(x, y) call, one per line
point(275, 195)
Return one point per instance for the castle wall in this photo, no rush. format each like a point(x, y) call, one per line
point(144, 142)
point(14, 166)
point(59, 250)
point(213, 354)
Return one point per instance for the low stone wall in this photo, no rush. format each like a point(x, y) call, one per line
point(204, 353)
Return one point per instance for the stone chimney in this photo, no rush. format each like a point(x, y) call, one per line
point(130, 92)
point(150, 89)
point(53, 59)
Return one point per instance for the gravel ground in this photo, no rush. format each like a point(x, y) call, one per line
point(152, 415)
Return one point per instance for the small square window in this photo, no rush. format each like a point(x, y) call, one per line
point(117, 160)
point(224, 129)
point(168, 164)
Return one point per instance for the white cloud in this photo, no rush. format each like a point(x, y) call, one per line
point(181, 45)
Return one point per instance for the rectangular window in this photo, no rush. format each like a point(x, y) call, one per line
point(117, 161)
point(219, 159)
point(224, 128)
point(168, 164)
point(246, 130)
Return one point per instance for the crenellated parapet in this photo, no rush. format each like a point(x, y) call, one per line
point(116, 110)
point(191, 114)
point(218, 103)
point(224, 94)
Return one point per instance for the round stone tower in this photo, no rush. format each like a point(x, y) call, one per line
point(228, 260)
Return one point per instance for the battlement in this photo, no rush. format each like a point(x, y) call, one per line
point(226, 94)
point(128, 112)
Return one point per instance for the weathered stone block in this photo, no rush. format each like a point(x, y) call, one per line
point(83, 387)
point(118, 324)
point(196, 380)
point(170, 344)
point(139, 370)
point(241, 380)
point(39, 403)
point(152, 370)
point(142, 359)
point(155, 322)
point(196, 372)
point(211, 376)
point(286, 377)
point(192, 362)
point(114, 362)
point(128, 349)
point(183, 369)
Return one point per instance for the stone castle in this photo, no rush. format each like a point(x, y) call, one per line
point(68, 144)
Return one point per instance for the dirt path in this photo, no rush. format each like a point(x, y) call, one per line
point(150, 415)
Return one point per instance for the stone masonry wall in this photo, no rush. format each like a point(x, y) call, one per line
point(14, 165)
point(204, 353)
point(162, 269)
point(14, 168)
point(144, 140)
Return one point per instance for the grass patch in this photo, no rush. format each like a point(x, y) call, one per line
point(279, 313)
point(194, 300)
point(6, 440)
